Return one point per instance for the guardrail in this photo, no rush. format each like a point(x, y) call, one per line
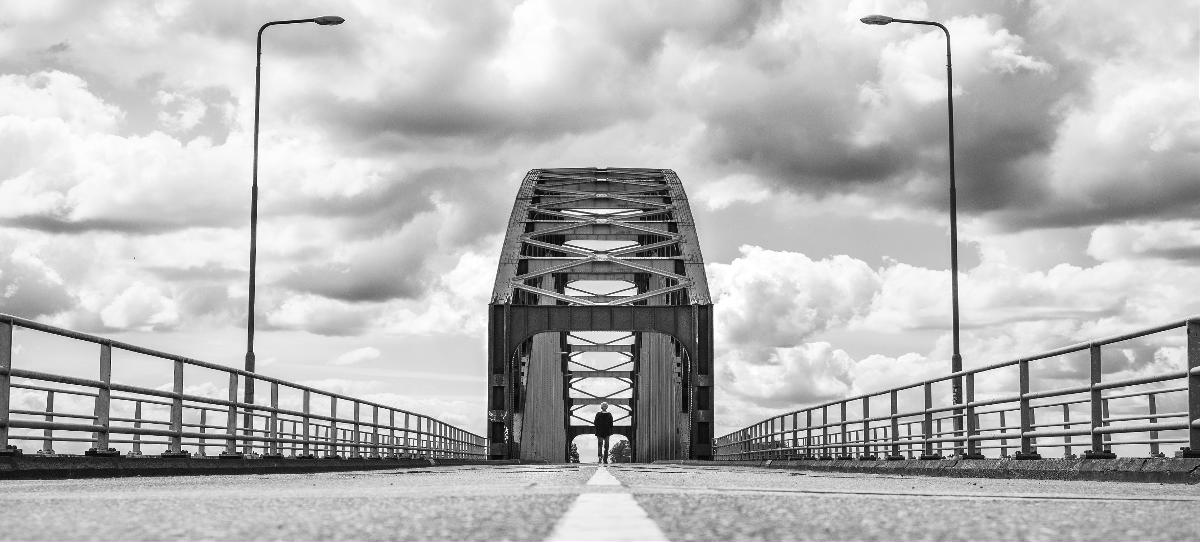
point(1155, 409)
point(194, 424)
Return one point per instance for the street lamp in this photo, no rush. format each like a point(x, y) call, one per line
point(956, 357)
point(326, 20)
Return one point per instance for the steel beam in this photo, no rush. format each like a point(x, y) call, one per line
point(655, 284)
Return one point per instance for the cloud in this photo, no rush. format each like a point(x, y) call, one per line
point(384, 192)
point(140, 306)
point(774, 307)
point(320, 315)
point(810, 372)
point(76, 174)
point(28, 286)
point(774, 298)
point(180, 112)
point(358, 355)
point(1171, 240)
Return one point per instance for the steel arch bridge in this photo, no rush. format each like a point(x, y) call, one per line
point(600, 296)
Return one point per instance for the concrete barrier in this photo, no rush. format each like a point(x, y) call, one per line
point(48, 467)
point(1161, 470)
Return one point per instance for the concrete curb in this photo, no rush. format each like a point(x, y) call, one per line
point(1172, 470)
point(54, 467)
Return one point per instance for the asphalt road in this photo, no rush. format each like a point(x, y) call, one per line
point(573, 502)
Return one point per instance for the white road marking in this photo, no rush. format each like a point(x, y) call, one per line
point(606, 517)
point(603, 478)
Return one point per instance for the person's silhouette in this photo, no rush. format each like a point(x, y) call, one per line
point(604, 424)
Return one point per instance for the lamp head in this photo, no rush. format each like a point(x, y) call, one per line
point(329, 20)
point(877, 19)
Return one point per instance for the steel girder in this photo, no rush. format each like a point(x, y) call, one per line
point(573, 226)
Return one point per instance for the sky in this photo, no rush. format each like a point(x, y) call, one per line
point(812, 147)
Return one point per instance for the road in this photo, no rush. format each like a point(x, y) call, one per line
point(583, 502)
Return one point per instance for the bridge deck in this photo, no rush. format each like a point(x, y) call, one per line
point(573, 502)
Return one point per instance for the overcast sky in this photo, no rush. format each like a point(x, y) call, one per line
point(812, 147)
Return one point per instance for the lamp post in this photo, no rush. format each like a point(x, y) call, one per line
point(324, 21)
point(956, 357)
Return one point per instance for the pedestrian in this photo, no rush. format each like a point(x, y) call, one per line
point(603, 423)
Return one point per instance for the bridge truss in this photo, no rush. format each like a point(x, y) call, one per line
point(600, 296)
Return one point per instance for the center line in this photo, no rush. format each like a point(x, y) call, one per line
point(600, 517)
point(603, 478)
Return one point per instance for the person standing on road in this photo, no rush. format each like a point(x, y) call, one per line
point(604, 424)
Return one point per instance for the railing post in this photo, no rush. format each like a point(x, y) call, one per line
point(866, 429)
point(842, 419)
point(770, 440)
point(137, 424)
point(306, 406)
point(375, 432)
point(894, 406)
point(795, 431)
point(927, 425)
point(6, 349)
point(248, 423)
point(1152, 409)
point(421, 439)
point(48, 433)
point(441, 436)
point(391, 434)
point(332, 434)
point(808, 437)
point(1027, 450)
point(273, 449)
point(101, 411)
point(1003, 430)
point(231, 421)
point(1096, 402)
point(825, 453)
point(1193, 385)
point(175, 441)
point(406, 448)
point(1067, 426)
point(203, 428)
point(972, 421)
point(908, 448)
point(355, 434)
point(938, 432)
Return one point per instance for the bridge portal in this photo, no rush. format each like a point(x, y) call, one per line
point(600, 296)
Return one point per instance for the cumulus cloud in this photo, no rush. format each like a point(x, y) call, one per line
point(1170, 240)
point(773, 308)
point(808, 372)
point(140, 306)
point(774, 298)
point(28, 286)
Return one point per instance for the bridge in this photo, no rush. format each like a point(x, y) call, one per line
point(600, 279)
point(600, 296)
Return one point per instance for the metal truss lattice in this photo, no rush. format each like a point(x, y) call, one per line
point(600, 249)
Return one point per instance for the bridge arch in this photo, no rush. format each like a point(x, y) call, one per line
point(574, 229)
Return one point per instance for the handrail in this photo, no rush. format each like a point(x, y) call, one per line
point(272, 429)
point(798, 433)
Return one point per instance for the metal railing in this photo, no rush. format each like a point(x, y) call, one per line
point(1127, 413)
point(194, 424)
